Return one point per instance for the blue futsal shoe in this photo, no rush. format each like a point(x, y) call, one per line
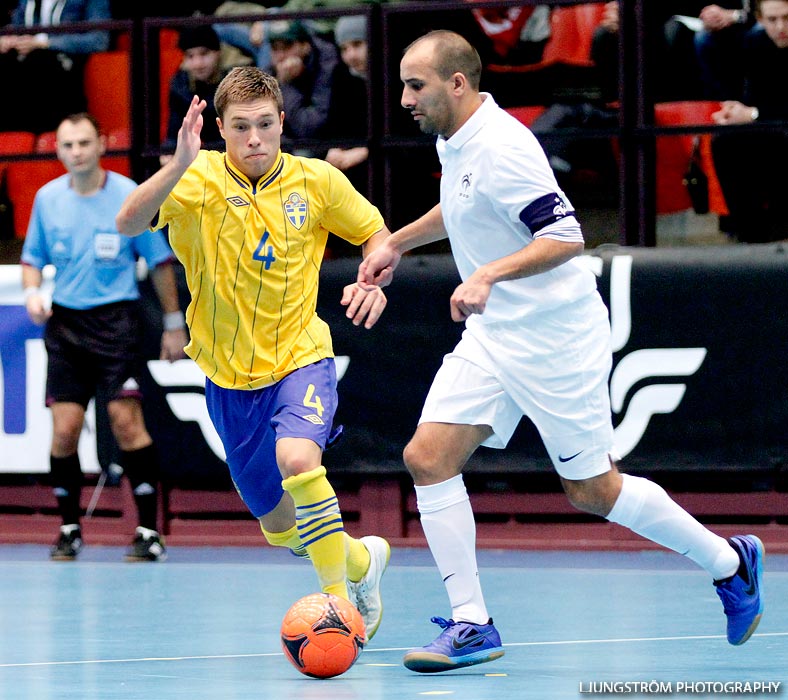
point(460, 644)
point(742, 593)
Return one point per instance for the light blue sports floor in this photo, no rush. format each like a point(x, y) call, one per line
point(205, 625)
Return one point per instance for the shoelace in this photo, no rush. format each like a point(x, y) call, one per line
point(359, 591)
point(444, 624)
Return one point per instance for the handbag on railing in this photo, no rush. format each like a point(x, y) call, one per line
point(696, 181)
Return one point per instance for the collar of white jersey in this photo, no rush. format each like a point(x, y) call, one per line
point(475, 122)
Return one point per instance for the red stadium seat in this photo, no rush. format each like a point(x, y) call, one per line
point(46, 142)
point(673, 155)
point(24, 179)
point(16, 142)
point(572, 29)
point(527, 114)
point(107, 86)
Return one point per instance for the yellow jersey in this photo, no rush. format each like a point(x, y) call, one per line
point(252, 253)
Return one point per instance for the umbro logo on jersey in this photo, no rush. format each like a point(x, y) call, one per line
point(313, 418)
point(238, 201)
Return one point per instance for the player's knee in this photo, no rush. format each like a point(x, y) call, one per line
point(593, 496)
point(129, 430)
point(419, 461)
point(65, 439)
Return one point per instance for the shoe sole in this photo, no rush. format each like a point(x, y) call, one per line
point(427, 662)
point(758, 574)
point(373, 632)
point(62, 557)
point(134, 559)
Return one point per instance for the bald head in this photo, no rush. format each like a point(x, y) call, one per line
point(451, 54)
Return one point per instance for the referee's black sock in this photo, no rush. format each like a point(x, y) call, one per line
point(67, 486)
point(142, 468)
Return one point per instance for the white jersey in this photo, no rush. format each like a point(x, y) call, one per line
point(497, 194)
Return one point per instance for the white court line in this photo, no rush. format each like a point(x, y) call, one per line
point(369, 651)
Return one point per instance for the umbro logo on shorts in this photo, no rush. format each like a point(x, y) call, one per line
point(313, 418)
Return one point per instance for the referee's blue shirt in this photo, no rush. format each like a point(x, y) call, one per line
point(95, 265)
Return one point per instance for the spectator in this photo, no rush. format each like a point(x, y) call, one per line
point(517, 35)
point(48, 68)
point(140, 9)
point(92, 330)
point(689, 42)
point(719, 45)
point(7, 8)
point(248, 40)
point(513, 36)
point(348, 113)
point(348, 109)
point(604, 52)
point(304, 66)
point(200, 74)
point(751, 166)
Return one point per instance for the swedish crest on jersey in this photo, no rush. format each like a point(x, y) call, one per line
point(295, 209)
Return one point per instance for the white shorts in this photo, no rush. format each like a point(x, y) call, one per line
point(552, 367)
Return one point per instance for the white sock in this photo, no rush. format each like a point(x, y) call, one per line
point(448, 524)
point(645, 508)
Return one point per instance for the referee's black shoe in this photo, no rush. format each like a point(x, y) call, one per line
point(147, 546)
point(68, 544)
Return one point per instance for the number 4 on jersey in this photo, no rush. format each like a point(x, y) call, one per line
point(263, 254)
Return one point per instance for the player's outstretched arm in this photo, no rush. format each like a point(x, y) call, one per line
point(377, 268)
point(143, 203)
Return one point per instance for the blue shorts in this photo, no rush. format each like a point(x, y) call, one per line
point(302, 405)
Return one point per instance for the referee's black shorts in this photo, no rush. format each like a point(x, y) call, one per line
point(93, 351)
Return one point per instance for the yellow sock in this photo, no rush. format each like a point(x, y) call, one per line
point(357, 558)
point(356, 554)
point(319, 527)
point(288, 538)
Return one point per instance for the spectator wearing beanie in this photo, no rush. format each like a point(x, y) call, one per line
point(350, 36)
point(200, 74)
point(347, 117)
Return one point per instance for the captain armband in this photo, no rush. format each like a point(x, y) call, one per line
point(544, 211)
point(173, 321)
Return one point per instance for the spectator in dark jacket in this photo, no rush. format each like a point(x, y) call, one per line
point(348, 109)
point(200, 74)
point(304, 66)
point(48, 68)
point(751, 165)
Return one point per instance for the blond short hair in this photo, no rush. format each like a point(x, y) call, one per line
point(246, 84)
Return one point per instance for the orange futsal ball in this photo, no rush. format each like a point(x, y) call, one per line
point(322, 635)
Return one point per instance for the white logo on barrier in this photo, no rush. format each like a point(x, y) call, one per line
point(25, 448)
point(190, 405)
point(640, 364)
point(27, 451)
